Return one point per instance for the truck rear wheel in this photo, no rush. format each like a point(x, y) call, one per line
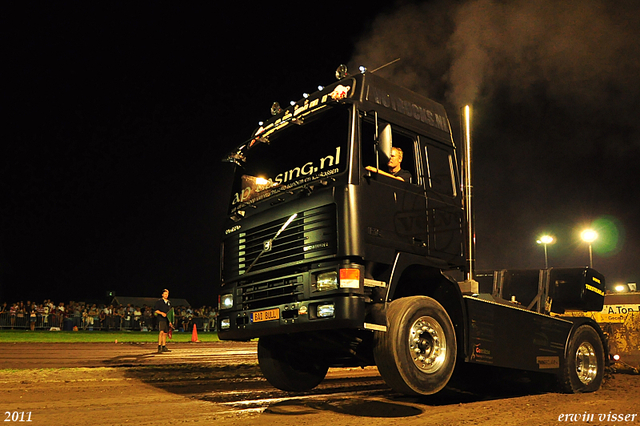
point(417, 354)
point(288, 369)
point(583, 368)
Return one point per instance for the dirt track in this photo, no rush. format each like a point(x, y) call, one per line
point(109, 384)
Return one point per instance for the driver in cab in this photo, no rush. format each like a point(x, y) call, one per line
point(395, 165)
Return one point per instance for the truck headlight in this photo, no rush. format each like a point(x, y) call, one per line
point(327, 281)
point(226, 301)
point(325, 311)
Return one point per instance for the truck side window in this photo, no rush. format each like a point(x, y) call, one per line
point(440, 170)
point(400, 140)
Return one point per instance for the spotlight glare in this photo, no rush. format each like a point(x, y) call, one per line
point(589, 235)
point(546, 239)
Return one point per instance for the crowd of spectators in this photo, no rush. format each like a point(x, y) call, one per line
point(91, 316)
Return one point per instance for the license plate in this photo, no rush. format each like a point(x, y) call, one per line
point(268, 315)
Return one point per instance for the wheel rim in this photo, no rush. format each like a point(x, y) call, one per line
point(586, 363)
point(428, 344)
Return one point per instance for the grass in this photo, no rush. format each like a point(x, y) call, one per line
point(43, 336)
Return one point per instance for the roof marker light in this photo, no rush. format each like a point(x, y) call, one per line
point(341, 72)
point(305, 95)
point(275, 108)
point(320, 88)
point(362, 69)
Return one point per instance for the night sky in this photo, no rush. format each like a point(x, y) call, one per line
point(117, 117)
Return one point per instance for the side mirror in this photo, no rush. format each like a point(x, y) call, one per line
point(385, 142)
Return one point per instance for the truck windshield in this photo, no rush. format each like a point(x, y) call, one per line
point(295, 155)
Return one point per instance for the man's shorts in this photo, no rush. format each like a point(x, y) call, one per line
point(163, 324)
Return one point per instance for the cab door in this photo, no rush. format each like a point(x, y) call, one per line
point(445, 216)
point(393, 211)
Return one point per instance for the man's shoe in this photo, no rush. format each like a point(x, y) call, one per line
point(159, 349)
point(164, 349)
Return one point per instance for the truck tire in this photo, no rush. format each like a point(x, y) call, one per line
point(417, 354)
point(287, 369)
point(583, 367)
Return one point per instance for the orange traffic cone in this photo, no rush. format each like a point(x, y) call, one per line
point(194, 335)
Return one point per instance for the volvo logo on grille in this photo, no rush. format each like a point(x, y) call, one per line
point(267, 245)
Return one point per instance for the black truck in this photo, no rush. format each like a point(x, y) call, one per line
point(331, 260)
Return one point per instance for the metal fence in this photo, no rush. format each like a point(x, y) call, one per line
point(98, 323)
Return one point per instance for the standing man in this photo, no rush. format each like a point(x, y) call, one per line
point(161, 309)
point(395, 165)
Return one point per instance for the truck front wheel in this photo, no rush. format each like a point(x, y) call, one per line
point(417, 354)
point(583, 368)
point(289, 369)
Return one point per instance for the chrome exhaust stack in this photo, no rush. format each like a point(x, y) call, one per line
point(469, 285)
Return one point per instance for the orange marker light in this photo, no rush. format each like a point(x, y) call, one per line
point(349, 278)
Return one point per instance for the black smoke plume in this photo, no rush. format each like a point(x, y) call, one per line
point(555, 87)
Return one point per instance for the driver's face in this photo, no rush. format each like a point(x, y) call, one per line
point(395, 159)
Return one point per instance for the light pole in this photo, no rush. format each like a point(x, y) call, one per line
point(589, 236)
point(545, 240)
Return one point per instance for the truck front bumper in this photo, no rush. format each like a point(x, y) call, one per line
point(336, 312)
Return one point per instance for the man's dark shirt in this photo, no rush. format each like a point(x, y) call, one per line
point(162, 306)
point(403, 174)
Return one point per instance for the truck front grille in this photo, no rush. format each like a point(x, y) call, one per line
point(310, 236)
